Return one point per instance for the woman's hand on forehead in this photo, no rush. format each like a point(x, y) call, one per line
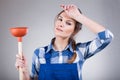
point(71, 10)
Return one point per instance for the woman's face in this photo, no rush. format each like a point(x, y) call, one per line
point(64, 26)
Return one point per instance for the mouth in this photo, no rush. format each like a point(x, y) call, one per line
point(59, 29)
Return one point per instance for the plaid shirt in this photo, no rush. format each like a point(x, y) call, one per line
point(84, 51)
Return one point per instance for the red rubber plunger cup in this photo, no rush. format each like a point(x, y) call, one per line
point(19, 32)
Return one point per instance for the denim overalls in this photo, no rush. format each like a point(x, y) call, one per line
point(62, 71)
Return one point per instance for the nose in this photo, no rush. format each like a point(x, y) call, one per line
point(61, 24)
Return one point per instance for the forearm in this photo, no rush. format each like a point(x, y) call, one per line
point(73, 12)
point(26, 77)
point(92, 25)
point(25, 74)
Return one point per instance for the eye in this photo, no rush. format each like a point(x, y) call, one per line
point(60, 19)
point(68, 23)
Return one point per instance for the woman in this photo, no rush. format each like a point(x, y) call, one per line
point(63, 58)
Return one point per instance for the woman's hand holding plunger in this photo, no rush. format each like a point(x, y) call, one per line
point(21, 62)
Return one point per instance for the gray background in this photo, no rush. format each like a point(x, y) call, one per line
point(38, 16)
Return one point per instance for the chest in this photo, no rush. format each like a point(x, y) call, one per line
point(57, 57)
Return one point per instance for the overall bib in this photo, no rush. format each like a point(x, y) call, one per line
point(62, 71)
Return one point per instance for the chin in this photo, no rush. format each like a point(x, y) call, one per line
point(60, 36)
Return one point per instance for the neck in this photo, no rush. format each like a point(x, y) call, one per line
point(60, 43)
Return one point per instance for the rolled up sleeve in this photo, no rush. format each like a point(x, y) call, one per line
point(99, 43)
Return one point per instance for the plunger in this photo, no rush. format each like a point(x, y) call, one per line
point(19, 32)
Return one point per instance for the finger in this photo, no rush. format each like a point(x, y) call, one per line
point(16, 66)
point(67, 7)
point(71, 6)
point(20, 64)
point(62, 6)
point(19, 61)
point(20, 57)
point(17, 56)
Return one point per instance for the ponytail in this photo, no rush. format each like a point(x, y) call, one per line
point(72, 59)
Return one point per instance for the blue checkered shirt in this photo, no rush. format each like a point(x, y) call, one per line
point(84, 51)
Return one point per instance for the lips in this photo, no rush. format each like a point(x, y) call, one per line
point(59, 29)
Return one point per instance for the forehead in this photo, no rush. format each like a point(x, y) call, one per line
point(64, 15)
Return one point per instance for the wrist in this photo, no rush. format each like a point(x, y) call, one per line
point(79, 18)
point(26, 74)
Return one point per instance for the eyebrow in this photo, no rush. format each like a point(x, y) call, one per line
point(67, 19)
point(60, 16)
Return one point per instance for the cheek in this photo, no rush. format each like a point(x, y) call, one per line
point(56, 23)
point(69, 31)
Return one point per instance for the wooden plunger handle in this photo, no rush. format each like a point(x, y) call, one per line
point(20, 52)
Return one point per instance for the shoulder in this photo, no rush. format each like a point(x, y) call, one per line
point(40, 50)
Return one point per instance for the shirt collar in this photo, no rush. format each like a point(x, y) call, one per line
point(50, 46)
